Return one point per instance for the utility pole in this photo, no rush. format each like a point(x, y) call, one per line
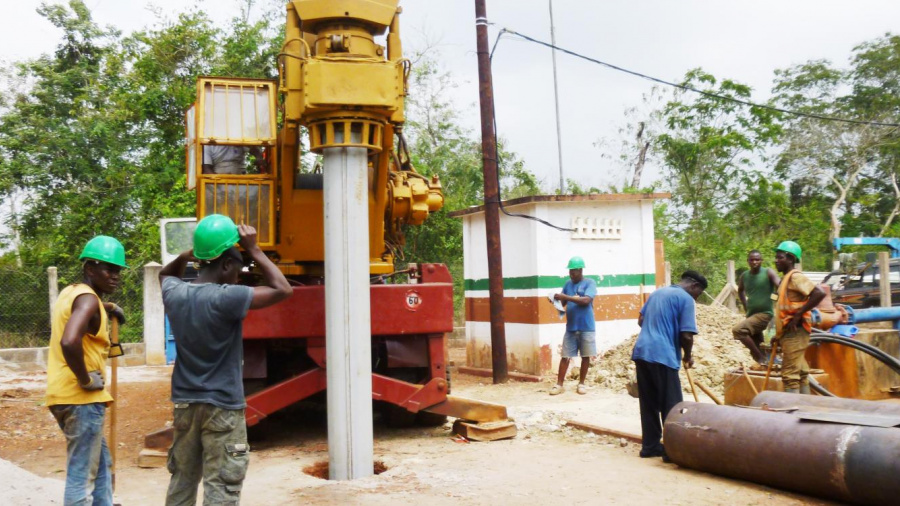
point(562, 180)
point(491, 196)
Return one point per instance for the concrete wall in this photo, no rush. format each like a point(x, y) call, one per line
point(35, 359)
point(616, 239)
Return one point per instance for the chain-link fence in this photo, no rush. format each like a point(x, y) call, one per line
point(25, 304)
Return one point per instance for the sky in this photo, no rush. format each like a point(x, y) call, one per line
point(737, 39)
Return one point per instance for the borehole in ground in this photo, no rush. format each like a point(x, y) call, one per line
point(320, 469)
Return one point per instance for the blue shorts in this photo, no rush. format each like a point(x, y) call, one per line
point(578, 341)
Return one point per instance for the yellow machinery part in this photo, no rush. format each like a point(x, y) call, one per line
point(346, 90)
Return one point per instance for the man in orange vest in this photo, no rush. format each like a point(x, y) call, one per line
point(792, 325)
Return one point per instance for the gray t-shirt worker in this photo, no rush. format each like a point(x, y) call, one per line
point(210, 439)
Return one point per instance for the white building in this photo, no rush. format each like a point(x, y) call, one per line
point(613, 233)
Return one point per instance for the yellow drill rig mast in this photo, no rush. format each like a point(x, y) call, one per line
point(336, 227)
point(348, 91)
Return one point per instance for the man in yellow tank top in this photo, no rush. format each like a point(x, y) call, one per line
point(76, 371)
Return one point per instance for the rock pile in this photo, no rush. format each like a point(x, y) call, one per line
point(715, 351)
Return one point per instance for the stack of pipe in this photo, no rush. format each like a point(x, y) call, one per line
point(849, 463)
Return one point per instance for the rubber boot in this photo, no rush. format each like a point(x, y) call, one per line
point(792, 390)
point(804, 389)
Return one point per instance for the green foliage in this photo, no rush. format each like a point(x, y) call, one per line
point(710, 149)
point(440, 146)
point(92, 137)
point(730, 195)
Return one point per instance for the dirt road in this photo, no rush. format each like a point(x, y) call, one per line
point(547, 463)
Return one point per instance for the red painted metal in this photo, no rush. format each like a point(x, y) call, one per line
point(434, 273)
point(412, 397)
point(436, 353)
point(315, 348)
point(270, 400)
point(303, 315)
point(411, 319)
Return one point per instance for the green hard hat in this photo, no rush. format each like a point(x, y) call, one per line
point(213, 236)
point(105, 249)
point(576, 263)
point(790, 247)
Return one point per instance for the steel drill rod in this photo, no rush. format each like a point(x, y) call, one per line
point(348, 341)
point(847, 463)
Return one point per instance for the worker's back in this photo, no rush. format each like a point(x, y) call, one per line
point(206, 320)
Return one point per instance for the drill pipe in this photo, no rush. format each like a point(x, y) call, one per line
point(840, 462)
point(785, 400)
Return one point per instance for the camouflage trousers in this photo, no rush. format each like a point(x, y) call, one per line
point(210, 443)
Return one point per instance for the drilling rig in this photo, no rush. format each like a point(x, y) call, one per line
point(345, 92)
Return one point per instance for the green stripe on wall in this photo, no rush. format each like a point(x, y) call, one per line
point(532, 282)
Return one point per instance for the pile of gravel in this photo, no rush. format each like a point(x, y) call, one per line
point(715, 352)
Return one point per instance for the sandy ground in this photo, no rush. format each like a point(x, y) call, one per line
point(548, 462)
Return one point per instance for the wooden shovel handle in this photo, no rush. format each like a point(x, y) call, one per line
point(691, 383)
point(769, 368)
point(114, 391)
point(750, 381)
point(709, 393)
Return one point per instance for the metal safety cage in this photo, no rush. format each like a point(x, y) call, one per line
point(235, 113)
point(250, 202)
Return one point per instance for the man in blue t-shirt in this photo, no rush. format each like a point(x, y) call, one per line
point(578, 295)
point(668, 325)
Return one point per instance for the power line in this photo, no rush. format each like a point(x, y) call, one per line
point(689, 88)
point(499, 162)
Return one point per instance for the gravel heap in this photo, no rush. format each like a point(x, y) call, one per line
point(715, 352)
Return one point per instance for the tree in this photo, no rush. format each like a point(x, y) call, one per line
point(710, 150)
point(440, 146)
point(829, 156)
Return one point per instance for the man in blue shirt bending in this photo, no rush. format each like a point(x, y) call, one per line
point(578, 295)
point(668, 325)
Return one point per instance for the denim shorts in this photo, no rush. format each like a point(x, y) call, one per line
point(579, 341)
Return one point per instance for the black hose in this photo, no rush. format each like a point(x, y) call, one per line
point(819, 337)
point(818, 388)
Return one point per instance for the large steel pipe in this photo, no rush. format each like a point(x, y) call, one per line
point(784, 400)
point(844, 462)
point(348, 332)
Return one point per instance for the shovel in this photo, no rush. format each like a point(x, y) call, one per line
point(691, 382)
point(115, 351)
point(769, 368)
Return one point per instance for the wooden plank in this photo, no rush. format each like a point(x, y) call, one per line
point(603, 431)
point(731, 302)
point(487, 431)
point(487, 373)
point(659, 255)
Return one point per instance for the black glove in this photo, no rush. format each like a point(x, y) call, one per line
point(95, 383)
point(116, 312)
